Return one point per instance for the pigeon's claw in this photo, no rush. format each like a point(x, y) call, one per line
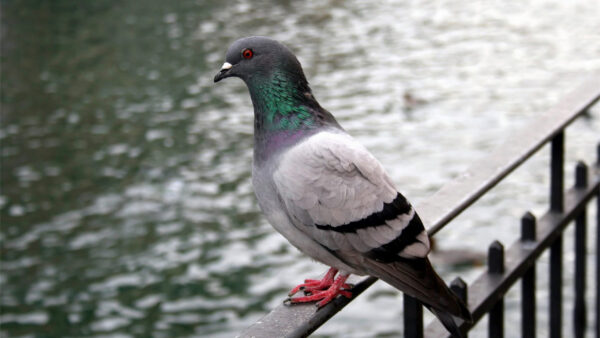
point(313, 290)
point(315, 285)
point(324, 296)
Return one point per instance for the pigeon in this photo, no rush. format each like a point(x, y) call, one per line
point(326, 193)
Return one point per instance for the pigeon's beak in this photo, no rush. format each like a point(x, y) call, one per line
point(224, 72)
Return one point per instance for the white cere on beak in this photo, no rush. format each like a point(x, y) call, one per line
point(226, 66)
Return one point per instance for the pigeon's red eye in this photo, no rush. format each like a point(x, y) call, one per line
point(247, 53)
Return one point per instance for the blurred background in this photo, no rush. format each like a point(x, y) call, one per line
point(126, 203)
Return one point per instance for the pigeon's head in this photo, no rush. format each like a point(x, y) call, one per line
point(258, 57)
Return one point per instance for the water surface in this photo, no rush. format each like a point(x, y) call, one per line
point(126, 203)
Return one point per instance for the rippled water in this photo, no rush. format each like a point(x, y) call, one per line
point(126, 202)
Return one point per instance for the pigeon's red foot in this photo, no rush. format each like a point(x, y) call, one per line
point(323, 291)
point(314, 285)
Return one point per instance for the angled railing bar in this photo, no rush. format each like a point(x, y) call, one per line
point(443, 206)
point(486, 290)
point(300, 320)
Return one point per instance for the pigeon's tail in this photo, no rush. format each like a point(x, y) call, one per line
point(416, 278)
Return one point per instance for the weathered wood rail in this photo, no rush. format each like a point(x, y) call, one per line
point(505, 266)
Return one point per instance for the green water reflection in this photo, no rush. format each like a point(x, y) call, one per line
point(126, 205)
point(96, 98)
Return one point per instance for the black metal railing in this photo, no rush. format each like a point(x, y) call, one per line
point(485, 296)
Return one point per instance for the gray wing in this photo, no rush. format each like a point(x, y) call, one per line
point(337, 193)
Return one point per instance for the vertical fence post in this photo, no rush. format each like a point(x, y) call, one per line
point(459, 287)
point(598, 251)
point(557, 172)
point(579, 313)
point(556, 288)
point(556, 205)
point(528, 307)
point(413, 317)
point(496, 266)
point(598, 259)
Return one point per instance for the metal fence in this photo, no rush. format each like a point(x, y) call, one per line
point(505, 266)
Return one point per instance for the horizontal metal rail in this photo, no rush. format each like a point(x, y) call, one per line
point(302, 319)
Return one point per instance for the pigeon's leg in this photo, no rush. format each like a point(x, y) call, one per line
point(312, 285)
point(338, 287)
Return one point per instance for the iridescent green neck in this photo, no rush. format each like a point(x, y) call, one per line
point(280, 103)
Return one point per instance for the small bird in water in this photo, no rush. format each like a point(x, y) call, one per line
point(411, 101)
point(325, 192)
